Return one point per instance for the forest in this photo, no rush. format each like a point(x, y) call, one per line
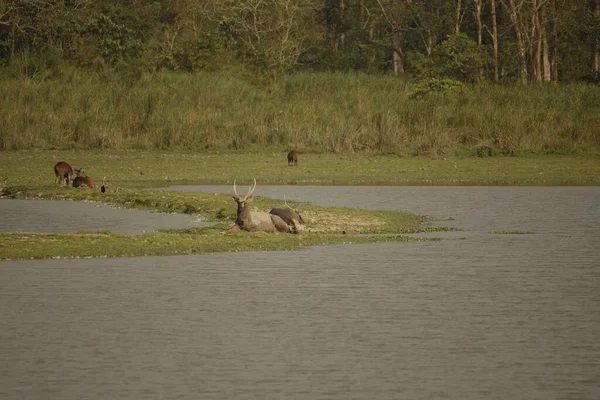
point(493, 40)
point(408, 77)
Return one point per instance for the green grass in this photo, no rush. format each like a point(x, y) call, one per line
point(106, 244)
point(513, 232)
point(316, 112)
point(155, 168)
point(128, 187)
point(130, 174)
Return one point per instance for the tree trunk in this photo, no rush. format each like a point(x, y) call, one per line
point(395, 21)
point(495, 41)
point(536, 43)
point(397, 57)
point(554, 59)
point(342, 37)
point(595, 4)
point(458, 17)
point(478, 7)
point(519, 36)
point(547, 77)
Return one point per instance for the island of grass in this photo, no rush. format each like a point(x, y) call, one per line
point(323, 225)
point(132, 175)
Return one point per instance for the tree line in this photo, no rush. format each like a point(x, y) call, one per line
point(469, 40)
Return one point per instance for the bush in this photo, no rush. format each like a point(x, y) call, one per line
point(436, 85)
point(458, 57)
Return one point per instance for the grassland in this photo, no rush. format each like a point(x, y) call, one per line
point(316, 112)
point(133, 168)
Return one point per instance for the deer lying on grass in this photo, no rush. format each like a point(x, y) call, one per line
point(63, 173)
point(255, 221)
point(82, 179)
point(290, 216)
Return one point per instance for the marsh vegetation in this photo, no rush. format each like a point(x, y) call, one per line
point(313, 112)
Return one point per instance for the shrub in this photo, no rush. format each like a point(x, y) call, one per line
point(458, 57)
point(436, 85)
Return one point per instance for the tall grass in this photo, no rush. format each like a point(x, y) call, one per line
point(312, 111)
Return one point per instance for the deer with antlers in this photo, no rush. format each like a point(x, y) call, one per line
point(255, 221)
point(290, 215)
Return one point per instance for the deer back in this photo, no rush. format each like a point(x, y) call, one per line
point(288, 215)
point(63, 171)
point(291, 217)
point(292, 157)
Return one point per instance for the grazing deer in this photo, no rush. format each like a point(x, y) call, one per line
point(290, 216)
point(63, 173)
point(255, 221)
point(82, 179)
point(292, 158)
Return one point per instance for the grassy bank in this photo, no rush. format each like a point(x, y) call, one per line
point(132, 173)
point(128, 169)
point(318, 113)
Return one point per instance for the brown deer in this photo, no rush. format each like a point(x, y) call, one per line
point(255, 221)
point(290, 216)
point(63, 173)
point(82, 179)
point(292, 158)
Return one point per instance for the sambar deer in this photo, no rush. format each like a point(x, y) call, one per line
point(63, 173)
point(290, 216)
point(255, 221)
point(82, 179)
point(293, 158)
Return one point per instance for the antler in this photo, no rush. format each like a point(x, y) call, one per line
point(251, 190)
point(286, 204)
point(234, 190)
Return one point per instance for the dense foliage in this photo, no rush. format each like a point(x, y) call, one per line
point(504, 40)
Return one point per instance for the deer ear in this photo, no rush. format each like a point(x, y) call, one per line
point(249, 199)
point(235, 198)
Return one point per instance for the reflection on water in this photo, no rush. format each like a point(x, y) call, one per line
point(490, 317)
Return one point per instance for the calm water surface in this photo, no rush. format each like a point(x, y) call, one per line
point(76, 216)
point(493, 316)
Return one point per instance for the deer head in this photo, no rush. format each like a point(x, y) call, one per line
point(82, 179)
point(243, 201)
point(293, 209)
point(79, 172)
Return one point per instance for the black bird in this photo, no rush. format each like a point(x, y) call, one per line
point(103, 188)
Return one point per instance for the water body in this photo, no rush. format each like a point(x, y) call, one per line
point(493, 316)
point(75, 216)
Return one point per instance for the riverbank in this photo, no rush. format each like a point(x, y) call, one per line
point(131, 175)
point(130, 179)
